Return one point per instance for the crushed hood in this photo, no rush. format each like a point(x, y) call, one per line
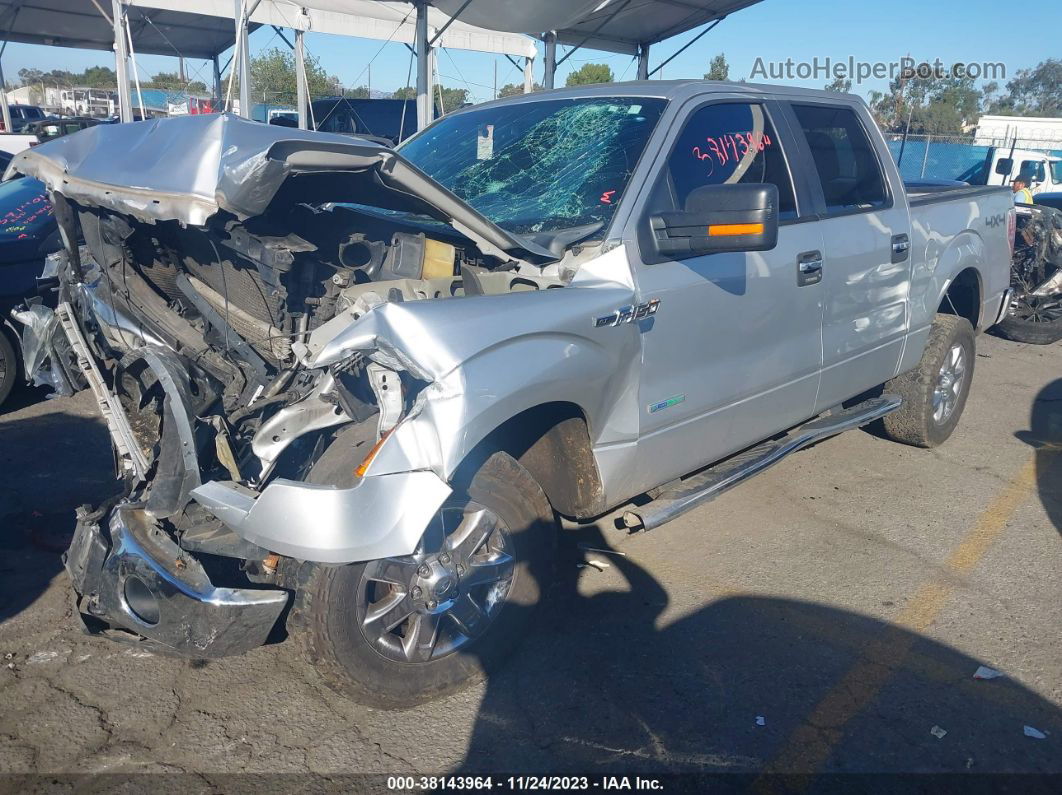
point(188, 168)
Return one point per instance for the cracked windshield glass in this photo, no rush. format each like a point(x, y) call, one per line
point(539, 166)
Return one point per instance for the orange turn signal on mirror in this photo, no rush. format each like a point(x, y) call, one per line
point(721, 230)
point(364, 465)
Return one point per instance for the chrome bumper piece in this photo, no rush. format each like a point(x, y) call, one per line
point(381, 516)
point(134, 577)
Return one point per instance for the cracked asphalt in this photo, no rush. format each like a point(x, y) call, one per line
point(827, 616)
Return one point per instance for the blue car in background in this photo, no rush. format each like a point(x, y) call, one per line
point(28, 233)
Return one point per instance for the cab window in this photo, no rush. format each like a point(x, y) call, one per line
point(725, 144)
point(844, 158)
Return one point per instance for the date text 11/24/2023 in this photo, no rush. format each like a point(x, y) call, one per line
point(523, 783)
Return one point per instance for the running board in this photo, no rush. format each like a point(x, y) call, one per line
point(710, 483)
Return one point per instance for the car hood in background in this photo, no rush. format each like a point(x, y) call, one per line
point(188, 168)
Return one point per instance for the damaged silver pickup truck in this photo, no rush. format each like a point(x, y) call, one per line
point(351, 389)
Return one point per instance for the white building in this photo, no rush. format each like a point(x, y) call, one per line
point(1039, 132)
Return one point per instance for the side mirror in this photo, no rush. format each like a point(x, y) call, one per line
point(1004, 166)
point(719, 218)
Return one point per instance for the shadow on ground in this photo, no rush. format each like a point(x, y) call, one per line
point(1045, 434)
point(603, 688)
point(51, 463)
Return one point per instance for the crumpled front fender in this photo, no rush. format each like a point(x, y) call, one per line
point(378, 517)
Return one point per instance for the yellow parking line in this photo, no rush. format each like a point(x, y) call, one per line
point(811, 743)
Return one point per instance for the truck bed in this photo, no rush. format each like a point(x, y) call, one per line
point(929, 192)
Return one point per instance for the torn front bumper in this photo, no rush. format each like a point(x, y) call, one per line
point(132, 576)
point(380, 516)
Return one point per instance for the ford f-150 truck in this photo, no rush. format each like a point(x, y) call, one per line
point(352, 389)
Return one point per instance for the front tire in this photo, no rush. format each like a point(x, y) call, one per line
point(398, 632)
point(934, 393)
point(8, 366)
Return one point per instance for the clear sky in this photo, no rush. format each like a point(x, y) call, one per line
point(774, 30)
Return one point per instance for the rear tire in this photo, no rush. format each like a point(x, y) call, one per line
point(1031, 332)
point(934, 393)
point(342, 614)
point(8, 366)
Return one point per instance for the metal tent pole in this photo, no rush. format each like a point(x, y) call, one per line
point(643, 61)
point(244, 61)
point(550, 60)
point(424, 102)
point(219, 97)
point(121, 62)
point(5, 111)
point(529, 75)
point(302, 94)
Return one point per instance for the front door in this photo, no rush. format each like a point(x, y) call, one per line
point(733, 352)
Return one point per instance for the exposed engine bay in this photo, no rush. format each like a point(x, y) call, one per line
point(261, 331)
point(230, 301)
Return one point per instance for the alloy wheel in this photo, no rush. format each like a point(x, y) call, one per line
point(421, 607)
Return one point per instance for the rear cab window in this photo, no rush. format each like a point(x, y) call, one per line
point(844, 158)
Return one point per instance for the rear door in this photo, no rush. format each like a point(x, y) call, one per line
point(733, 352)
point(866, 235)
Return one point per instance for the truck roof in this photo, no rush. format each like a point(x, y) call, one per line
point(675, 89)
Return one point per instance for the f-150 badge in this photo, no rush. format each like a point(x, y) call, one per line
point(628, 314)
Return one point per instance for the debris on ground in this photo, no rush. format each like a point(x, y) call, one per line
point(984, 672)
point(600, 565)
point(1036, 734)
point(588, 548)
point(938, 732)
point(42, 657)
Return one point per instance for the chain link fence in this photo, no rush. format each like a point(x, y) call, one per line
point(958, 156)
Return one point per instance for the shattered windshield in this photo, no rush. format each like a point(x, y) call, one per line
point(539, 166)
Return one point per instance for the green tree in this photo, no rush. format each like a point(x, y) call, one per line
point(452, 98)
point(839, 85)
point(171, 81)
point(1031, 92)
point(933, 104)
point(718, 68)
point(101, 77)
point(273, 77)
point(512, 89)
point(590, 73)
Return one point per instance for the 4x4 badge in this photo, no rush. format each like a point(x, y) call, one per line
point(628, 314)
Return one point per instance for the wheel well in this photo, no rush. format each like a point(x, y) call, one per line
point(963, 297)
point(551, 441)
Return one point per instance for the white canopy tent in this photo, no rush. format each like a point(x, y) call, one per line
point(416, 24)
point(206, 28)
point(623, 26)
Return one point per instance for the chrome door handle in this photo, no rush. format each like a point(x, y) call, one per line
point(901, 244)
point(809, 268)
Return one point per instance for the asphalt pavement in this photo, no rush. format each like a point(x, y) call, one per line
point(828, 616)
